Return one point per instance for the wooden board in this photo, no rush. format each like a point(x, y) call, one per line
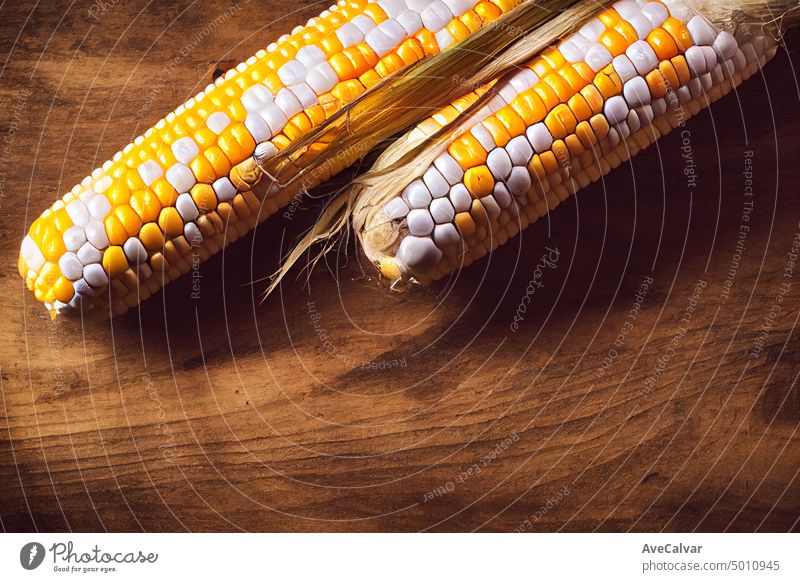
point(344, 406)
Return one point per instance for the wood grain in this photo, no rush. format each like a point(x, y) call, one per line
point(343, 406)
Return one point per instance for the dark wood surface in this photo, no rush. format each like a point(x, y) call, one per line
point(344, 406)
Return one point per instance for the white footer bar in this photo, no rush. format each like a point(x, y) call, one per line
point(400, 557)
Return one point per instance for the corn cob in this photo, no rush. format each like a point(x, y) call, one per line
point(189, 186)
point(573, 113)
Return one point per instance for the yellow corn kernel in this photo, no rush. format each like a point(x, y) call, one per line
point(457, 29)
point(600, 125)
point(681, 69)
point(479, 181)
point(202, 169)
point(679, 33)
point(574, 145)
point(530, 107)
point(118, 193)
point(560, 121)
point(579, 107)
point(61, 220)
point(297, 126)
point(609, 17)
point(205, 138)
point(498, 130)
point(164, 191)
point(547, 95)
point(151, 236)
point(670, 75)
point(585, 133)
point(234, 144)
point(467, 151)
point(465, 224)
point(428, 42)
point(626, 30)
point(218, 161)
point(133, 180)
point(656, 83)
point(130, 221)
point(559, 86)
point(114, 261)
point(369, 78)
point(115, 231)
point(613, 41)
point(63, 289)
point(593, 98)
point(487, 12)
point(411, 50)
point(146, 204)
point(511, 120)
point(375, 12)
point(347, 91)
point(170, 222)
point(663, 44)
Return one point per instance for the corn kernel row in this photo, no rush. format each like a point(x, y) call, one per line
point(184, 189)
point(573, 113)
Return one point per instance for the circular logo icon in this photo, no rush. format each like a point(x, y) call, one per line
point(31, 555)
